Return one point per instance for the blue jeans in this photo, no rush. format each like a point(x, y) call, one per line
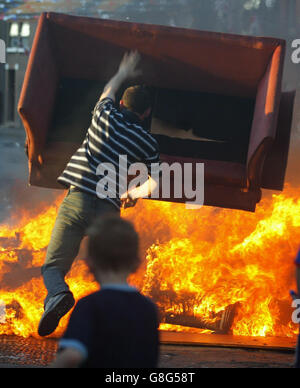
point(75, 215)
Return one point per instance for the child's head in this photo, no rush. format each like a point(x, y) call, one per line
point(113, 246)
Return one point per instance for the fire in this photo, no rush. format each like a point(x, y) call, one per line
point(198, 264)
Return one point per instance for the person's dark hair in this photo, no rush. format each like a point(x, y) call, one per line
point(113, 244)
point(137, 99)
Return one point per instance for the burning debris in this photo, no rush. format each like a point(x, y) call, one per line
point(207, 270)
point(222, 325)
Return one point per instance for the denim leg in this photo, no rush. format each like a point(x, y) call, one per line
point(64, 245)
point(102, 208)
point(54, 281)
point(76, 213)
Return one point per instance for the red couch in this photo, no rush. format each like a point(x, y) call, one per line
point(73, 57)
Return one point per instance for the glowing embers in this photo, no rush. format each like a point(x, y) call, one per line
point(226, 270)
point(203, 262)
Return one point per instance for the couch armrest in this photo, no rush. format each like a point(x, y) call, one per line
point(39, 91)
point(265, 119)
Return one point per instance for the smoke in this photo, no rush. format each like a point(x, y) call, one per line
point(16, 196)
point(14, 275)
point(29, 200)
point(293, 175)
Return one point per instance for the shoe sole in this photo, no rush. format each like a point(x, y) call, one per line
point(50, 320)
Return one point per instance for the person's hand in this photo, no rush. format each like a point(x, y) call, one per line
point(127, 201)
point(128, 66)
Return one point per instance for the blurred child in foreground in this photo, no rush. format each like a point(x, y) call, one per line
point(115, 327)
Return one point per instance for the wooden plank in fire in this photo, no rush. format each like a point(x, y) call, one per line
point(221, 326)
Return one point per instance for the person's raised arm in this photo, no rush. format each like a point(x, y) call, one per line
point(128, 69)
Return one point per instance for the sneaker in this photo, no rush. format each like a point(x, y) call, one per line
point(57, 307)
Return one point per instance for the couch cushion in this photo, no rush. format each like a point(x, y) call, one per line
point(205, 150)
point(215, 172)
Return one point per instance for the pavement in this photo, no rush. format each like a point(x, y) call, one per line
point(16, 352)
point(11, 158)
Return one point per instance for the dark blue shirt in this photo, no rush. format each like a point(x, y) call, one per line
point(114, 328)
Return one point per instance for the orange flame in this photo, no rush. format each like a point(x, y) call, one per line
point(197, 263)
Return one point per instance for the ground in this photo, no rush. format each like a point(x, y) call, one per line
point(33, 353)
point(19, 352)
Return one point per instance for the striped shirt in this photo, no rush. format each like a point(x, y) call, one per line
point(112, 133)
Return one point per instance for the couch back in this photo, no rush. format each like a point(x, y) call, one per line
point(265, 118)
point(87, 49)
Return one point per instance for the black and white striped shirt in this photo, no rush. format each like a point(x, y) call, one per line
point(112, 133)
